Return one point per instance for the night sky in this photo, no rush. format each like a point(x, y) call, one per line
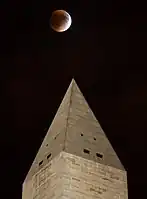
point(104, 50)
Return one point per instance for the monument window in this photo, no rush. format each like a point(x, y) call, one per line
point(86, 151)
point(94, 138)
point(49, 155)
point(81, 134)
point(40, 163)
point(99, 155)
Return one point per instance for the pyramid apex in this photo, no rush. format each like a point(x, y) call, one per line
point(73, 81)
point(72, 84)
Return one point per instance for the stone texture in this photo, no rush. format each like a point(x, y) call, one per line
point(76, 159)
point(70, 176)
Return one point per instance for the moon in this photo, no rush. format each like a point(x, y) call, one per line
point(60, 20)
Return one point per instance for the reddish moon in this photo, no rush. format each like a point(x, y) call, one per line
point(60, 21)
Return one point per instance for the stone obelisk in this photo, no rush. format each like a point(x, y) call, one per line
point(76, 159)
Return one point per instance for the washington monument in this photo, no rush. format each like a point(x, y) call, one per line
point(76, 159)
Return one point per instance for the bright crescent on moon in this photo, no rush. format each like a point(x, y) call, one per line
point(68, 24)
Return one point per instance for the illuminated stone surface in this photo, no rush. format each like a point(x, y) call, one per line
point(76, 159)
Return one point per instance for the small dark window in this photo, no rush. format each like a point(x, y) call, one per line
point(46, 144)
point(49, 156)
point(94, 138)
point(86, 151)
point(99, 155)
point(40, 163)
point(81, 134)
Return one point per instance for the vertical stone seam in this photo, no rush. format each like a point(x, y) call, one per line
point(70, 101)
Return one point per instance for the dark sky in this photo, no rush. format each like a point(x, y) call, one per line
point(105, 50)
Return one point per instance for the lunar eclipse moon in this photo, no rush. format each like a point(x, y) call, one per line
point(60, 21)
